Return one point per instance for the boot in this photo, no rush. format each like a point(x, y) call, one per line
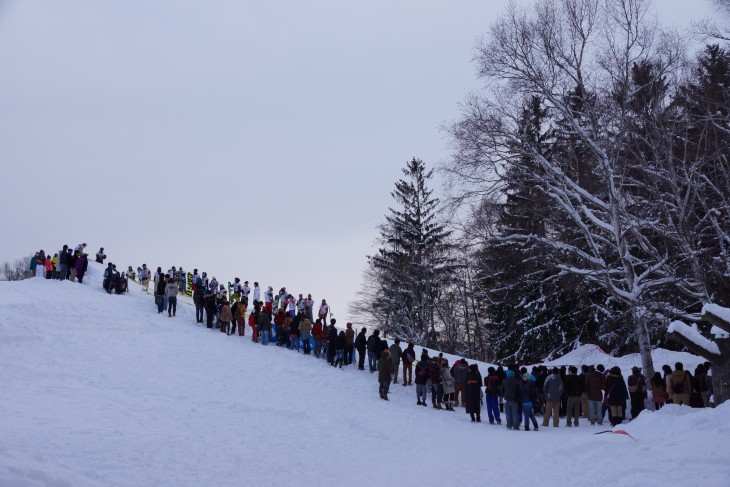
point(173, 313)
point(169, 314)
point(385, 396)
point(382, 396)
point(418, 403)
point(423, 403)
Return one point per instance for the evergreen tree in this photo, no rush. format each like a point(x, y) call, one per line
point(413, 261)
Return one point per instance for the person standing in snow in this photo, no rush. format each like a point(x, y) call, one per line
point(510, 391)
point(459, 371)
point(385, 371)
point(658, 391)
point(308, 306)
point(80, 248)
point(434, 373)
point(594, 390)
point(527, 392)
point(473, 394)
point(491, 395)
point(318, 336)
point(616, 395)
point(239, 316)
point(574, 390)
point(171, 291)
point(82, 264)
point(226, 317)
point(339, 344)
point(408, 356)
point(63, 263)
point(680, 385)
point(245, 291)
point(269, 299)
point(372, 344)
point(199, 304)
point(422, 378)
point(447, 383)
point(48, 267)
point(100, 256)
point(637, 391)
point(263, 324)
point(395, 353)
point(305, 330)
point(331, 339)
point(256, 292)
point(349, 344)
point(553, 390)
point(361, 346)
point(324, 310)
point(210, 307)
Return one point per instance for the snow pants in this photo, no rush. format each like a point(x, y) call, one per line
point(492, 401)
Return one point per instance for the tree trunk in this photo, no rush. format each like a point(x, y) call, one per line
point(721, 372)
point(642, 338)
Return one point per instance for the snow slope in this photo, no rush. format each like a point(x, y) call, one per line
point(100, 390)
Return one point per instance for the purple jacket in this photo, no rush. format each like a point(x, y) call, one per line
point(434, 373)
point(81, 264)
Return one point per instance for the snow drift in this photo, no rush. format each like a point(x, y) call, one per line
point(100, 390)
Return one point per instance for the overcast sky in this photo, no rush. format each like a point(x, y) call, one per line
point(250, 139)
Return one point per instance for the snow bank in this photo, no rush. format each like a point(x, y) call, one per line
point(100, 390)
point(692, 334)
point(719, 311)
point(594, 355)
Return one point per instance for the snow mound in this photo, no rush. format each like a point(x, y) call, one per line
point(594, 355)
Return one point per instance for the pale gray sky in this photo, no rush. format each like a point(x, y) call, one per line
point(250, 139)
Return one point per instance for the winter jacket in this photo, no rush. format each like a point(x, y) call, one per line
point(408, 356)
point(385, 368)
point(294, 327)
point(331, 333)
point(340, 342)
point(350, 336)
point(553, 388)
point(306, 326)
point(573, 385)
point(447, 380)
point(371, 343)
point(209, 302)
point(379, 347)
point(160, 289)
point(239, 312)
point(198, 297)
point(171, 289)
point(594, 386)
point(361, 341)
point(49, 265)
point(527, 391)
point(226, 315)
point(33, 262)
point(434, 373)
point(679, 383)
point(395, 353)
point(82, 263)
point(317, 331)
point(636, 383)
point(422, 372)
point(510, 388)
point(616, 392)
point(473, 392)
point(491, 383)
point(460, 371)
point(263, 322)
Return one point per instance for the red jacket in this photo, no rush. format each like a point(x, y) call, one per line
point(317, 331)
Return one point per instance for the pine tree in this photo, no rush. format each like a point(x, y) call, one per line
point(412, 262)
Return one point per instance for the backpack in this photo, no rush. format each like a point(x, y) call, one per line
point(679, 388)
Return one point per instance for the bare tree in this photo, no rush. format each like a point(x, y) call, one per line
point(16, 270)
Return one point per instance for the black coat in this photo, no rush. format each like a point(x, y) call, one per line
point(473, 393)
point(616, 392)
point(360, 341)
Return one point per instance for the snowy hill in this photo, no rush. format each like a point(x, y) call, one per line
point(101, 390)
